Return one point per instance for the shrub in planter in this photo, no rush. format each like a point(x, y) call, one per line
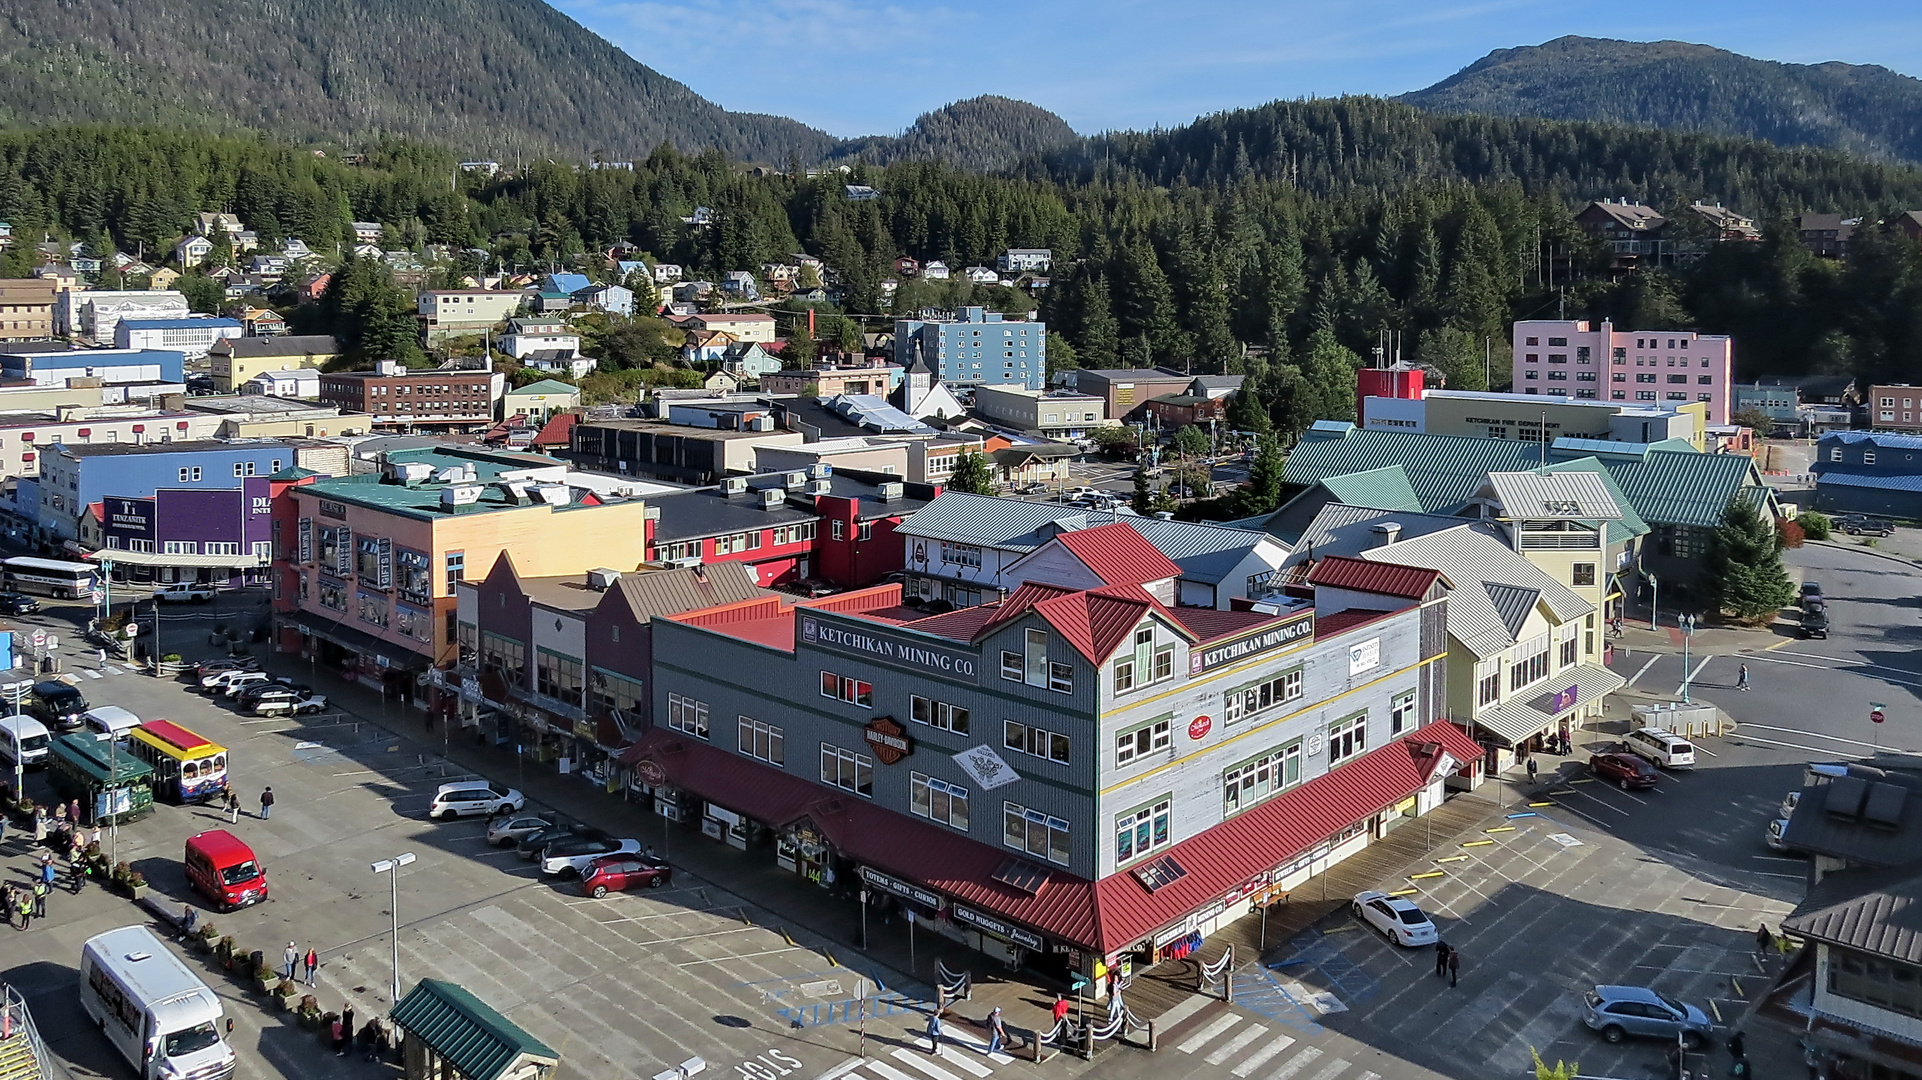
point(267, 977)
point(309, 1010)
point(136, 884)
point(208, 935)
point(255, 961)
point(224, 951)
point(120, 872)
point(284, 994)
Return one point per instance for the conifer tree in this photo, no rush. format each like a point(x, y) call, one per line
point(1745, 577)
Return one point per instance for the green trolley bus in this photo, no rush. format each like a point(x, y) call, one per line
point(112, 784)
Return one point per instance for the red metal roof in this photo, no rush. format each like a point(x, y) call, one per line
point(1118, 554)
point(1094, 621)
point(174, 735)
point(1113, 913)
point(1363, 575)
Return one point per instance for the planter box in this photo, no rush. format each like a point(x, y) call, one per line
point(283, 1002)
point(137, 893)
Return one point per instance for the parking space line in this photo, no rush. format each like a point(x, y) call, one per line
point(731, 959)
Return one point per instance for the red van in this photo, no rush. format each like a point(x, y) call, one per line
point(224, 870)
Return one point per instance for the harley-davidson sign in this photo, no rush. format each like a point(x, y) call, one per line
point(889, 740)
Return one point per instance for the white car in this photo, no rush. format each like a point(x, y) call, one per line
point(473, 798)
point(575, 853)
point(184, 592)
point(1398, 919)
point(290, 701)
point(241, 680)
point(220, 681)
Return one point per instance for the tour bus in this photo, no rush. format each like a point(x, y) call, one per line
point(51, 577)
point(187, 768)
point(162, 1019)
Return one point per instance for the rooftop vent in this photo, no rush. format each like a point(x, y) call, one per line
point(407, 472)
point(891, 491)
point(1845, 797)
point(554, 494)
point(773, 497)
point(1884, 805)
point(822, 486)
point(795, 479)
point(514, 491)
point(602, 579)
point(1386, 533)
point(733, 485)
point(820, 470)
point(461, 495)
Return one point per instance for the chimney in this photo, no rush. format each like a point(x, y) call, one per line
point(1386, 533)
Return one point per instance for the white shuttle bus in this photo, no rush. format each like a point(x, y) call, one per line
point(163, 1019)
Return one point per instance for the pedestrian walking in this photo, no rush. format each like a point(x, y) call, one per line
point(1741, 678)
point(267, 804)
point(1532, 769)
point(74, 871)
point(23, 903)
point(1764, 941)
point(40, 892)
point(73, 814)
point(233, 806)
point(1060, 1008)
point(340, 1038)
point(347, 1019)
point(1737, 1047)
point(934, 1032)
point(287, 961)
point(3, 829)
point(1454, 965)
point(997, 1031)
point(313, 962)
point(1441, 958)
point(46, 870)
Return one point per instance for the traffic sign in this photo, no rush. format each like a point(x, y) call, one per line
point(1875, 712)
point(39, 639)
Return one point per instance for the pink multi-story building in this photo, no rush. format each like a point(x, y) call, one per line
point(1566, 358)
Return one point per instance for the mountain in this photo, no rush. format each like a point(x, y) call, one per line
point(1860, 109)
point(503, 78)
point(986, 133)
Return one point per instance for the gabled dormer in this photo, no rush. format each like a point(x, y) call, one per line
point(1113, 554)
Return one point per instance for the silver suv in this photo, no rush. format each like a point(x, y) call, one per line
point(1620, 1011)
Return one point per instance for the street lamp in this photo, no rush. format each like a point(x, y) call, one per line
point(1687, 625)
point(391, 867)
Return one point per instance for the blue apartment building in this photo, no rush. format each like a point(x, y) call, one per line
point(976, 346)
point(74, 477)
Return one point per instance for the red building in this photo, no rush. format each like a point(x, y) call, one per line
point(1404, 381)
point(790, 526)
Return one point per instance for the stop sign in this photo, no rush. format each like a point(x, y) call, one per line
point(1875, 716)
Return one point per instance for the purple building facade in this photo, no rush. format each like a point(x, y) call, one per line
point(222, 536)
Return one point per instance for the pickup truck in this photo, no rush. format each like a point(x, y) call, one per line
point(184, 592)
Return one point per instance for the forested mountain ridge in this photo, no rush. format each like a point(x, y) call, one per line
point(1857, 108)
point(987, 133)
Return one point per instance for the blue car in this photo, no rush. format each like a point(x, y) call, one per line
point(1620, 1011)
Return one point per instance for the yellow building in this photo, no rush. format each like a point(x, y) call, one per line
point(1482, 415)
point(232, 361)
point(540, 400)
point(163, 278)
point(367, 582)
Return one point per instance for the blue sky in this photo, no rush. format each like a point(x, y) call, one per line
point(856, 67)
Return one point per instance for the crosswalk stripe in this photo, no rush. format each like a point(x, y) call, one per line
point(959, 1037)
point(1261, 1056)
point(89, 673)
point(949, 1053)
point(1369, 1076)
point(1232, 1046)
point(1297, 1063)
point(913, 1060)
point(1334, 1069)
point(111, 670)
point(886, 1071)
point(1208, 1034)
point(1189, 1006)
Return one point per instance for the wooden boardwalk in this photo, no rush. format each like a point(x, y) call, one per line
point(1156, 991)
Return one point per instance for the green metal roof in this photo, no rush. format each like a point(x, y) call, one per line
point(547, 386)
point(293, 472)
point(1380, 489)
point(102, 762)
point(478, 1042)
point(1683, 489)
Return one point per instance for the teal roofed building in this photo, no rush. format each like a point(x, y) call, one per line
point(453, 1035)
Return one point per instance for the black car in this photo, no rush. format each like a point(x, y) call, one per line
point(1862, 526)
point(57, 705)
point(1811, 590)
point(1815, 623)
point(531, 844)
point(15, 604)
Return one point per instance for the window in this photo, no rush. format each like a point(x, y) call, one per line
point(1148, 665)
point(837, 530)
point(1705, 380)
point(864, 530)
point(1618, 376)
point(1678, 379)
point(762, 742)
point(614, 692)
point(938, 714)
point(1644, 395)
point(1250, 782)
point(1035, 833)
point(1584, 574)
point(1892, 986)
point(1401, 713)
point(847, 770)
point(1568, 653)
point(1645, 376)
point(1011, 666)
point(179, 547)
point(1558, 358)
point(686, 715)
point(938, 800)
point(1142, 830)
point(1061, 678)
point(373, 609)
point(1243, 702)
point(505, 657)
point(1141, 741)
point(1532, 669)
point(1035, 741)
point(332, 594)
point(456, 568)
point(558, 677)
point(1035, 660)
point(1347, 738)
point(960, 554)
point(851, 690)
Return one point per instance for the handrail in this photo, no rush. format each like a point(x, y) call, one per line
point(16, 1021)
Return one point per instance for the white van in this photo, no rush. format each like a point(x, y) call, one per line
point(1664, 748)
point(23, 740)
point(473, 798)
point(109, 720)
point(162, 1019)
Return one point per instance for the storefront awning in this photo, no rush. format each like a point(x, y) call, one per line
point(1515, 722)
point(398, 656)
point(1109, 915)
point(182, 562)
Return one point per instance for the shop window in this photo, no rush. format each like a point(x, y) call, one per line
point(615, 692)
point(373, 609)
point(847, 770)
point(851, 690)
point(1139, 742)
point(1143, 830)
point(1038, 742)
point(938, 800)
point(1401, 713)
point(1347, 738)
point(504, 656)
point(1583, 573)
point(1035, 833)
point(1568, 650)
point(333, 595)
point(687, 716)
point(762, 741)
point(1245, 701)
point(938, 714)
point(1886, 985)
point(1250, 782)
